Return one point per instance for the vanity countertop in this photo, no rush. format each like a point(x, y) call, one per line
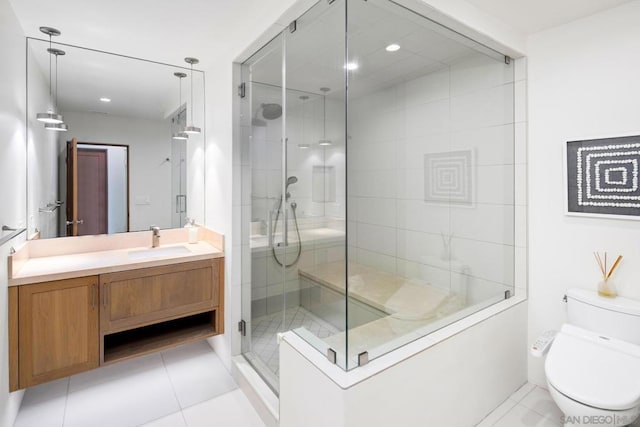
point(43, 266)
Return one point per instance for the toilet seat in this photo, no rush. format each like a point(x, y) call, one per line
point(593, 370)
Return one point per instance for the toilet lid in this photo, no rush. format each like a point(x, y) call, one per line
point(593, 370)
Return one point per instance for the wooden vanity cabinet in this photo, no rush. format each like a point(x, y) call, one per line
point(64, 327)
point(154, 308)
point(58, 329)
point(140, 297)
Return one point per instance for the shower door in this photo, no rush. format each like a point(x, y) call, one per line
point(264, 212)
point(293, 185)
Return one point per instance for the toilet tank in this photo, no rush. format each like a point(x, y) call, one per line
point(612, 317)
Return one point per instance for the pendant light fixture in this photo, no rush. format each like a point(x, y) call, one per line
point(50, 116)
point(58, 127)
point(180, 135)
point(191, 129)
point(324, 141)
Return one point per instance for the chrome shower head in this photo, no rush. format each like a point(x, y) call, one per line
point(271, 111)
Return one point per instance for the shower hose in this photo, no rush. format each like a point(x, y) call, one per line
point(295, 220)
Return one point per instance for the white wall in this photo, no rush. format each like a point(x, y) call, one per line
point(465, 107)
point(583, 83)
point(42, 157)
point(196, 167)
point(304, 126)
point(444, 385)
point(12, 178)
point(149, 146)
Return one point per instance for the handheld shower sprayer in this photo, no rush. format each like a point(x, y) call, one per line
point(291, 180)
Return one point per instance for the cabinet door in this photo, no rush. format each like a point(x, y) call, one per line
point(58, 329)
point(150, 295)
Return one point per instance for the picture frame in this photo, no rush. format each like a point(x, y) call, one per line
point(602, 177)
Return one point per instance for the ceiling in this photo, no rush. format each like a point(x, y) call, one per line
point(136, 88)
point(160, 30)
point(211, 30)
point(157, 30)
point(167, 31)
point(315, 51)
point(531, 16)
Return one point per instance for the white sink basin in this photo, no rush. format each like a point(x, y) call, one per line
point(158, 252)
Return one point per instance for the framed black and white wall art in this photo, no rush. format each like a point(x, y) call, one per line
point(602, 177)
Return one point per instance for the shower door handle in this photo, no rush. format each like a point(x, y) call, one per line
point(181, 203)
point(270, 230)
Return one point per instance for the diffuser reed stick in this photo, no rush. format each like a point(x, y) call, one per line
point(599, 262)
point(605, 286)
point(615, 264)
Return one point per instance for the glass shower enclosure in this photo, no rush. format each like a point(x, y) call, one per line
point(377, 182)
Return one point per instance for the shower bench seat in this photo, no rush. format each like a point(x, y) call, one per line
point(403, 305)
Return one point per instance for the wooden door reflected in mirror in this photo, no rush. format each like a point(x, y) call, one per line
point(97, 188)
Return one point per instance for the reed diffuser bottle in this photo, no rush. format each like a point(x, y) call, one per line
point(606, 286)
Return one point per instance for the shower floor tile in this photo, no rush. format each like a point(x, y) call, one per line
point(264, 342)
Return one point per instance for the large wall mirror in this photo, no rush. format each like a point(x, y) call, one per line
point(118, 166)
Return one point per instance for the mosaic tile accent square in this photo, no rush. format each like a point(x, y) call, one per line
point(448, 177)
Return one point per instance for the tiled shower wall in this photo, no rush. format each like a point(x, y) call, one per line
point(468, 105)
point(263, 187)
point(304, 126)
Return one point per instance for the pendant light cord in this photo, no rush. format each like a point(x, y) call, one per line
point(55, 103)
point(192, 93)
point(50, 88)
point(324, 117)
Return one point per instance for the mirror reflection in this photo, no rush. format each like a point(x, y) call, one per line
point(107, 148)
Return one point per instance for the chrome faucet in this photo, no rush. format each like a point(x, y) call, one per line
point(155, 238)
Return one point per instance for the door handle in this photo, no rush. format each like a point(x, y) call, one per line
point(270, 229)
point(104, 295)
point(181, 203)
point(80, 221)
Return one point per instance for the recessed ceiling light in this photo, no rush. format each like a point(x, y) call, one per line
point(351, 66)
point(324, 142)
point(103, 99)
point(303, 146)
point(392, 47)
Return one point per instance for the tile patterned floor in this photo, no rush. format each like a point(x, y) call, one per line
point(528, 407)
point(264, 330)
point(183, 387)
point(189, 387)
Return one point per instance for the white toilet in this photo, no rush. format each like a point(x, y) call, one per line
point(593, 365)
